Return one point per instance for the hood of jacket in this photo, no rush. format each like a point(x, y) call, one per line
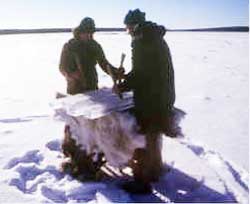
point(149, 31)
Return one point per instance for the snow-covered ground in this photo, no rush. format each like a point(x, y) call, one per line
point(209, 165)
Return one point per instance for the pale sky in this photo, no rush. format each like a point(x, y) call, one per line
point(110, 13)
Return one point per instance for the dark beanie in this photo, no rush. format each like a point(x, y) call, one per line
point(87, 25)
point(134, 17)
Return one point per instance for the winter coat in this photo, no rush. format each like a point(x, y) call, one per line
point(81, 57)
point(152, 77)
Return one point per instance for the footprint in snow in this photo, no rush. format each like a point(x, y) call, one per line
point(31, 175)
point(54, 145)
point(33, 156)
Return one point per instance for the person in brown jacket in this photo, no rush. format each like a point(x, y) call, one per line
point(78, 65)
point(79, 58)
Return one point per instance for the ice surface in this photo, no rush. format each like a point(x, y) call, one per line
point(210, 164)
point(94, 104)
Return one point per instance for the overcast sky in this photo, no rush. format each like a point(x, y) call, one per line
point(110, 13)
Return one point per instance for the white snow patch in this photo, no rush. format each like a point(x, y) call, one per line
point(211, 72)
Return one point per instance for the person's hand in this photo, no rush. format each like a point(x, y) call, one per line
point(116, 89)
point(121, 87)
point(119, 73)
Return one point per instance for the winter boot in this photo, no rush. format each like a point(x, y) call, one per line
point(141, 182)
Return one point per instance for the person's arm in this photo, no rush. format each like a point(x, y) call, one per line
point(131, 79)
point(105, 65)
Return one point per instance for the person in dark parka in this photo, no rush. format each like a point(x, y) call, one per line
point(152, 77)
point(152, 82)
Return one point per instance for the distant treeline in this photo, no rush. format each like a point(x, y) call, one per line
point(66, 30)
point(54, 30)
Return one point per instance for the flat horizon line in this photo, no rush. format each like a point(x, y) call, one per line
point(114, 29)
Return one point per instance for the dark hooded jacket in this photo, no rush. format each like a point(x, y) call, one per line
point(152, 76)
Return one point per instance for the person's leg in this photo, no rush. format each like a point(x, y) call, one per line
point(141, 182)
point(69, 150)
point(139, 165)
point(154, 158)
point(68, 144)
point(79, 163)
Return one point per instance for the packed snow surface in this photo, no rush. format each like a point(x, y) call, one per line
point(210, 164)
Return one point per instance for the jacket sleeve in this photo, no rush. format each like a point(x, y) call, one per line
point(128, 83)
point(102, 61)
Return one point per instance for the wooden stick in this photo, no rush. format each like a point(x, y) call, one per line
point(122, 59)
point(121, 65)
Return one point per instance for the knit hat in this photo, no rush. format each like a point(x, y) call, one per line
point(134, 17)
point(87, 25)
